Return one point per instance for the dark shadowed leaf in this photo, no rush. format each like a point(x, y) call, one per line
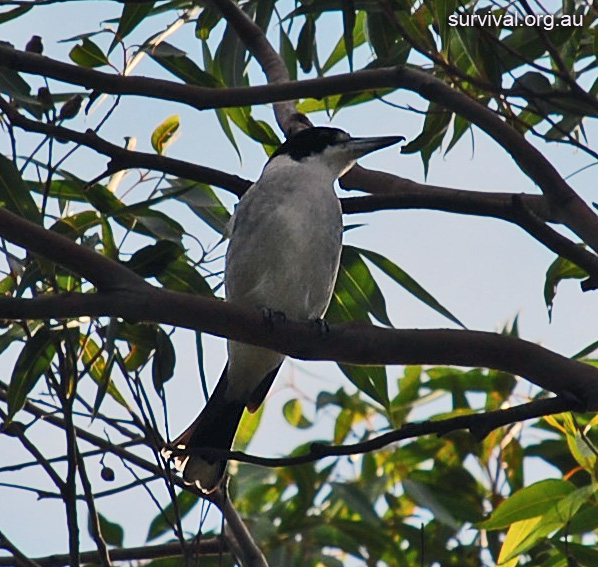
point(112, 533)
point(348, 28)
point(14, 194)
point(305, 45)
point(356, 292)
point(406, 282)
point(561, 269)
point(14, 13)
point(177, 62)
point(371, 380)
point(181, 276)
point(132, 15)
point(435, 126)
point(33, 361)
point(164, 521)
point(153, 259)
point(340, 52)
point(164, 360)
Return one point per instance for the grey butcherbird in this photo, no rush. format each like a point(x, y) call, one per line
point(283, 256)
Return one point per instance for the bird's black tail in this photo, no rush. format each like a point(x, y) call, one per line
point(215, 428)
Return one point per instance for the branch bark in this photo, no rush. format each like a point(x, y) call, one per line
point(576, 214)
point(211, 546)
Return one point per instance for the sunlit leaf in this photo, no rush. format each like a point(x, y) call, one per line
point(163, 134)
point(88, 54)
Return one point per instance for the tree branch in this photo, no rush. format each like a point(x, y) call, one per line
point(576, 214)
point(479, 425)
point(272, 65)
point(211, 546)
point(122, 159)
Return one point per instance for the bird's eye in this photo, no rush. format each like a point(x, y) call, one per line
point(342, 137)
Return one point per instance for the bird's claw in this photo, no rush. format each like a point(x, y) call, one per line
point(273, 317)
point(321, 324)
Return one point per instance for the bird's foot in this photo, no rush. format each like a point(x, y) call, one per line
point(273, 317)
point(321, 324)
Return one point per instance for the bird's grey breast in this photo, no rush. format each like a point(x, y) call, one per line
point(285, 246)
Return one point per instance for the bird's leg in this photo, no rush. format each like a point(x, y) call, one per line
point(321, 324)
point(273, 317)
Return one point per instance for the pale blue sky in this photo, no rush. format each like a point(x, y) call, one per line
point(485, 271)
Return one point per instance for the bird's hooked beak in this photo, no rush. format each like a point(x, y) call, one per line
point(359, 147)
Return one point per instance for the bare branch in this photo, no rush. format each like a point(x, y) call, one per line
point(18, 559)
point(211, 546)
point(578, 216)
point(121, 158)
point(479, 425)
point(257, 43)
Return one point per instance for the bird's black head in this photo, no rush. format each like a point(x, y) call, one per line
point(310, 141)
point(330, 151)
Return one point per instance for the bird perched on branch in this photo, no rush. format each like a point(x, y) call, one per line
point(283, 256)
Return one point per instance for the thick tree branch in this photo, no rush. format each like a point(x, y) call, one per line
point(389, 191)
point(479, 425)
point(356, 343)
point(577, 215)
point(18, 558)
point(349, 343)
point(121, 158)
point(272, 65)
point(211, 546)
point(103, 272)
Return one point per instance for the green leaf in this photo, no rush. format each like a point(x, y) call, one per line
point(33, 361)
point(176, 62)
point(259, 130)
point(88, 54)
point(14, 13)
point(306, 45)
point(293, 413)
point(75, 226)
point(558, 271)
point(422, 496)
point(132, 15)
point(165, 520)
point(163, 134)
point(96, 368)
point(248, 427)
point(429, 140)
point(112, 533)
point(164, 361)
point(230, 57)
point(222, 116)
point(14, 194)
point(181, 276)
point(356, 293)
point(557, 517)
point(529, 502)
point(287, 52)
point(206, 22)
point(382, 34)
point(153, 259)
point(204, 202)
point(356, 500)
point(340, 52)
point(407, 282)
point(371, 380)
point(348, 28)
